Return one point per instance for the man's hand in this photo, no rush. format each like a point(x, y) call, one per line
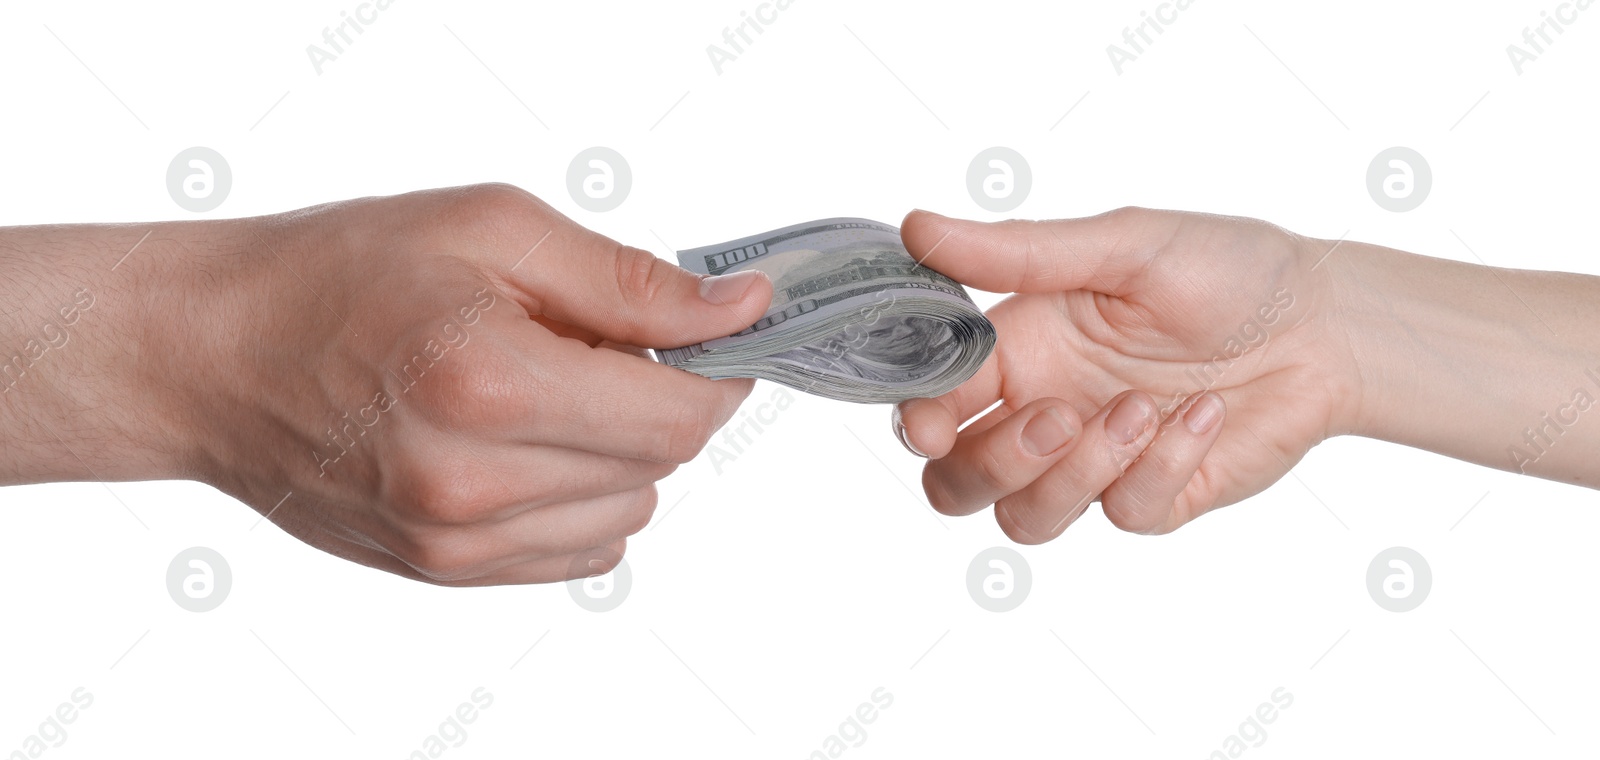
point(1133, 334)
point(440, 384)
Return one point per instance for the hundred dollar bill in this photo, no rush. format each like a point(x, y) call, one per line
point(853, 316)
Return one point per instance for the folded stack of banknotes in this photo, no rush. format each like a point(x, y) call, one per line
point(854, 317)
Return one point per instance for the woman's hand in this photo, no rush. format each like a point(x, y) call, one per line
point(1165, 363)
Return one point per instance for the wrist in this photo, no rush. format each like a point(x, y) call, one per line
point(84, 393)
point(1447, 356)
point(1365, 305)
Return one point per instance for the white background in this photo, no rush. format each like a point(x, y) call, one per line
point(776, 596)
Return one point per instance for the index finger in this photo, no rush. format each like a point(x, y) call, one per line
point(608, 402)
point(1101, 253)
point(928, 426)
point(521, 383)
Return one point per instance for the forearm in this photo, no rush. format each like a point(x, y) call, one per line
point(1494, 366)
point(75, 398)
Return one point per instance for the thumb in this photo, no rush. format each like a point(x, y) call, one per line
point(1101, 253)
point(628, 295)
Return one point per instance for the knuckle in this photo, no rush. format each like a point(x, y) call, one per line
point(1143, 503)
point(1040, 516)
point(494, 206)
point(498, 199)
point(726, 396)
point(655, 472)
point(1010, 517)
point(1035, 245)
point(442, 561)
point(992, 471)
point(939, 496)
point(643, 508)
point(626, 515)
point(448, 495)
point(685, 434)
point(461, 392)
point(1128, 215)
point(1162, 464)
point(641, 276)
point(1127, 509)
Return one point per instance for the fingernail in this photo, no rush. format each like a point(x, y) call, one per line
point(905, 439)
point(728, 288)
point(1047, 432)
point(1130, 419)
point(1203, 414)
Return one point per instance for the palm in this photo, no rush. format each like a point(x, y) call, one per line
point(1223, 306)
